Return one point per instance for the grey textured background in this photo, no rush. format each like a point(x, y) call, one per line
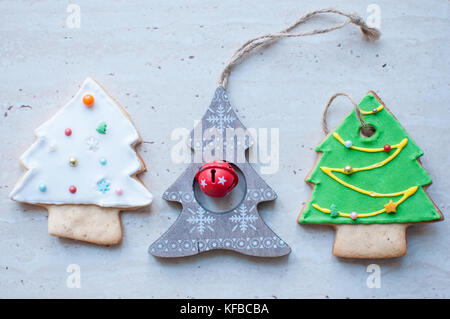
point(161, 60)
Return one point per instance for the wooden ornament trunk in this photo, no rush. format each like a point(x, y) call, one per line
point(90, 223)
point(370, 241)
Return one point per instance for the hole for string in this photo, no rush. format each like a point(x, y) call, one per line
point(367, 130)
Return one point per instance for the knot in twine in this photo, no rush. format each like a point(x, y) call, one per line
point(245, 50)
point(372, 34)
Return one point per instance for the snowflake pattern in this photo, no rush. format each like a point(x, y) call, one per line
point(243, 219)
point(221, 118)
point(201, 220)
point(103, 185)
point(92, 144)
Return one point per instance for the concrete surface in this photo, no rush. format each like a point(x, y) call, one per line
point(161, 60)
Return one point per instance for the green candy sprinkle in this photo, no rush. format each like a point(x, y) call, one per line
point(333, 211)
point(101, 128)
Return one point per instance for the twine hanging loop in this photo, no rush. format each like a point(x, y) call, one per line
point(245, 50)
point(364, 126)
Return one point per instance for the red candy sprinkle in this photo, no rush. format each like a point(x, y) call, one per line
point(387, 147)
point(68, 131)
point(72, 189)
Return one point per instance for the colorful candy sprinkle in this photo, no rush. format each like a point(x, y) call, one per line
point(72, 189)
point(348, 169)
point(103, 161)
point(348, 144)
point(119, 191)
point(353, 215)
point(333, 211)
point(73, 161)
point(42, 187)
point(101, 128)
point(68, 131)
point(88, 100)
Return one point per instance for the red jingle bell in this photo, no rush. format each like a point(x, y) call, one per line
point(216, 178)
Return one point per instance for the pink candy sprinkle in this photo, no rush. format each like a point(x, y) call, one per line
point(353, 215)
point(119, 191)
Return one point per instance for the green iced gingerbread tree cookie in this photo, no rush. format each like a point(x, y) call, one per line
point(369, 180)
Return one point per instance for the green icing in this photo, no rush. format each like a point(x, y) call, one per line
point(403, 172)
point(101, 128)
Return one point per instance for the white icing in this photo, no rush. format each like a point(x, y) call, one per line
point(92, 144)
point(52, 147)
point(47, 159)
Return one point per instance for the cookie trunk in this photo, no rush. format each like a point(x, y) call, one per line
point(370, 241)
point(90, 223)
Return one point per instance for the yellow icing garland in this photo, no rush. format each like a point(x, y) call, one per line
point(391, 206)
point(372, 112)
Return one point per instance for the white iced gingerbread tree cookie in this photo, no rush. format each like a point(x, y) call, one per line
point(83, 168)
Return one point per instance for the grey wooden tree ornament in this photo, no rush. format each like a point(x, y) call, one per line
point(241, 229)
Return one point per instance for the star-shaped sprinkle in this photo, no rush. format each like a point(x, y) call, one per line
point(222, 180)
point(203, 183)
point(391, 207)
